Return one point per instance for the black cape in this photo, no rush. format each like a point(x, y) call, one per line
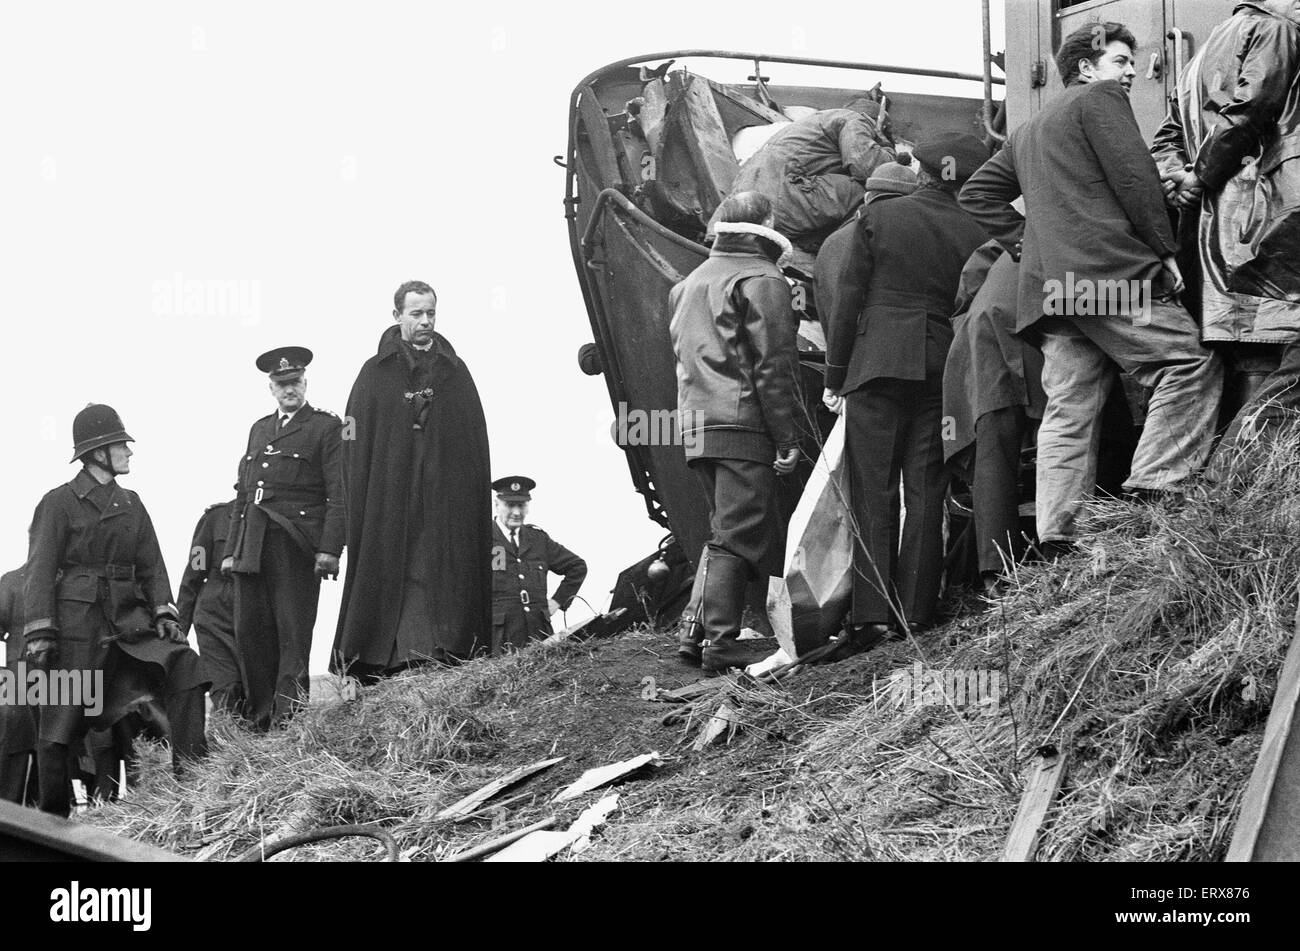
point(419, 520)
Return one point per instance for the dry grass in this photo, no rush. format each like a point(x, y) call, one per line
point(1151, 657)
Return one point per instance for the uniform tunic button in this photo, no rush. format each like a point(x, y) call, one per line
point(525, 610)
point(266, 465)
point(521, 577)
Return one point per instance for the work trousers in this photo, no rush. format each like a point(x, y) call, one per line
point(999, 436)
point(743, 515)
point(893, 428)
point(1161, 350)
point(275, 612)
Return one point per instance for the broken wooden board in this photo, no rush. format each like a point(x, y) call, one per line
point(474, 800)
point(495, 845)
point(1268, 826)
point(604, 775)
point(695, 690)
point(542, 845)
point(724, 720)
point(1044, 783)
point(569, 631)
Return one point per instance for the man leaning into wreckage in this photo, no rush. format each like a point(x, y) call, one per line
point(733, 331)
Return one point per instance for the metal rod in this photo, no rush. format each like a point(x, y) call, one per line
point(497, 844)
point(987, 108)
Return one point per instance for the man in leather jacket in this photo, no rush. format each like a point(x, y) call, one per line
point(733, 330)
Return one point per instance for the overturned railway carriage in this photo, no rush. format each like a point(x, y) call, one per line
point(654, 147)
point(653, 150)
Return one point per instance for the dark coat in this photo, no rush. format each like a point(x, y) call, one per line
point(451, 498)
point(293, 477)
point(1093, 202)
point(1236, 118)
point(94, 556)
point(519, 582)
point(813, 171)
point(733, 332)
point(206, 597)
point(989, 367)
point(17, 723)
point(893, 302)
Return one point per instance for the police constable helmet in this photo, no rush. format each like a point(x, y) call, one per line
point(96, 426)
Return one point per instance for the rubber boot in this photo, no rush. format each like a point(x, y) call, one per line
point(721, 611)
point(691, 631)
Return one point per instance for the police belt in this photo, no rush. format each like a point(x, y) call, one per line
point(263, 494)
point(106, 572)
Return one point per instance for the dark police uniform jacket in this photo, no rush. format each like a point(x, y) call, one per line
point(519, 582)
point(294, 478)
point(17, 723)
point(95, 571)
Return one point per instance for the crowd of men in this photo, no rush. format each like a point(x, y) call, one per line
point(401, 482)
point(971, 297)
point(954, 322)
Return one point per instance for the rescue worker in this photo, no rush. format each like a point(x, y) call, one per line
point(522, 555)
point(993, 397)
point(814, 169)
point(889, 337)
point(1227, 156)
point(285, 534)
point(733, 331)
point(206, 601)
point(1098, 283)
point(887, 181)
point(97, 599)
point(17, 722)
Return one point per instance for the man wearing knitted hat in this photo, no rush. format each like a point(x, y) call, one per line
point(888, 337)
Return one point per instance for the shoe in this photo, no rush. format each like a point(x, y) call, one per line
point(1057, 549)
point(854, 640)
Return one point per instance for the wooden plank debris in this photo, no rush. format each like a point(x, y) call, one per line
point(500, 842)
point(542, 845)
point(723, 721)
point(1268, 826)
point(604, 775)
point(474, 800)
point(1044, 783)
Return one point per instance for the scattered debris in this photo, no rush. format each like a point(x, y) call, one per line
point(474, 800)
point(542, 845)
point(495, 845)
point(726, 719)
point(780, 659)
point(604, 775)
point(1044, 782)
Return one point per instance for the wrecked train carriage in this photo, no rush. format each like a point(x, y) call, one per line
point(651, 154)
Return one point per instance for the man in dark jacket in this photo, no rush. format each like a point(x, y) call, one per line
point(733, 331)
point(419, 528)
point(206, 601)
point(522, 556)
point(1099, 262)
point(285, 534)
point(98, 601)
point(1230, 146)
point(813, 170)
point(889, 338)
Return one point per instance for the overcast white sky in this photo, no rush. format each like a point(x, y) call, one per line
point(318, 154)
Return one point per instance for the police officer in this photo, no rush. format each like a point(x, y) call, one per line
point(286, 533)
point(521, 557)
point(97, 598)
point(206, 600)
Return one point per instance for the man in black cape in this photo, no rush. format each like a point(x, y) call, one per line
point(419, 521)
